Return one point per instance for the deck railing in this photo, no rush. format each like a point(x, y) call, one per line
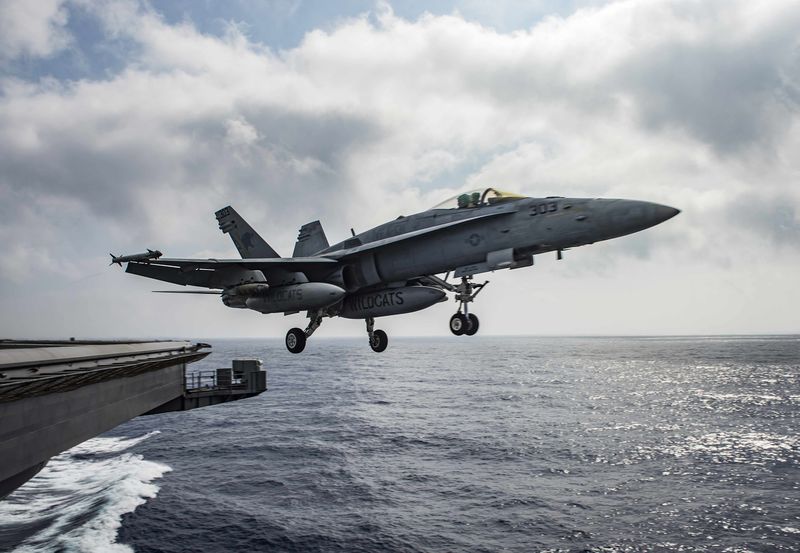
point(220, 379)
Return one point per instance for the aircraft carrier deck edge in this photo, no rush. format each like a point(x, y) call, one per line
point(57, 394)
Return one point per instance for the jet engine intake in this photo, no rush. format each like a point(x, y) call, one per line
point(361, 274)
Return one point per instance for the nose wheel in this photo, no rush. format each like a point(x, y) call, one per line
point(473, 325)
point(461, 324)
point(464, 322)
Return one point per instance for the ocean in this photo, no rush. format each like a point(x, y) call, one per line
point(481, 444)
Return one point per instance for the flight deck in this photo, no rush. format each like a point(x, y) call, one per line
point(57, 394)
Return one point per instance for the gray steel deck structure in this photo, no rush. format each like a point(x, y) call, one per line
point(55, 395)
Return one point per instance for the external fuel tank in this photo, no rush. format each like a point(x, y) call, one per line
point(296, 297)
point(390, 301)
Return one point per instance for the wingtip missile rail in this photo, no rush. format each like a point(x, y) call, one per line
point(144, 257)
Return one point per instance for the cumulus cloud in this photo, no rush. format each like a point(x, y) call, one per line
point(688, 103)
point(34, 29)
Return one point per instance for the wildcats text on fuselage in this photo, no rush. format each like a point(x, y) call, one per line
point(396, 301)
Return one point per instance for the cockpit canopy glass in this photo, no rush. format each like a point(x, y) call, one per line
point(478, 198)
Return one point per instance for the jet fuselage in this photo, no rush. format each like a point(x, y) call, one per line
point(509, 235)
point(391, 269)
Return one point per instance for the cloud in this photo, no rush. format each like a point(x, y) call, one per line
point(686, 103)
point(240, 133)
point(775, 218)
point(35, 29)
point(730, 96)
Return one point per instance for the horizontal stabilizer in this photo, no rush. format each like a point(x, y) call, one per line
point(247, 241)
point(310, 240)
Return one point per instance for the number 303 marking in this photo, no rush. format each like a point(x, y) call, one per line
point(541, 209)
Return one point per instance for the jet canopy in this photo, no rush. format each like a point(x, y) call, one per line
point(477, 198)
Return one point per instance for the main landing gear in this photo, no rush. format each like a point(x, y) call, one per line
point(296, 338)
point(464, 322)
point(378, 340)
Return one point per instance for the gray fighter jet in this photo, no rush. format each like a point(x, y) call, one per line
point(392, 269)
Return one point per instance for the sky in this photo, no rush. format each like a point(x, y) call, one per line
point(125, 124)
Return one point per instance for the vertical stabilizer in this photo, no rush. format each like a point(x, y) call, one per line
point(246, 240)
point(310, 240)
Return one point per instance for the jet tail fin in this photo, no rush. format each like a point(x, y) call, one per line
point(310, 240)
point(246, 240)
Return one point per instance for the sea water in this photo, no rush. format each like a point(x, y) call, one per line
point(449, 444)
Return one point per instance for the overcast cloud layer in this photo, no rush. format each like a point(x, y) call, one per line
point(122, 128)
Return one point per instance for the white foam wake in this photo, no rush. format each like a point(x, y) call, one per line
point(77, 501)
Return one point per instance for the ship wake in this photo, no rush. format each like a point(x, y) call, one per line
point(77, 501)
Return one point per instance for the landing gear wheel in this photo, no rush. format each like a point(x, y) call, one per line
point(458, 324)
point(472, 327)
point(295, 340)
point(378, 341)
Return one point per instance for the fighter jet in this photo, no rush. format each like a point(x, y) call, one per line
point(394, 268)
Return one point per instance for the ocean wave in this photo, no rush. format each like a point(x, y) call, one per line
point(77, 501)
point(740, 447)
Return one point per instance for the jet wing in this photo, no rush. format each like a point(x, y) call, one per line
point(297, 264)
point(414, 234)
point(221, 273)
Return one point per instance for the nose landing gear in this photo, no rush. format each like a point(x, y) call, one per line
point(464, 322)
point(459, 324)
point(473, 325)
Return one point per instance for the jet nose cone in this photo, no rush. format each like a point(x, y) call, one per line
point(661, 213)
point(628, 216)
point(648, 214)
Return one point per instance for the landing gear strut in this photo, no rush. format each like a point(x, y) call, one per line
point(378, 340)
point(464, 322)
point(296, 338)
